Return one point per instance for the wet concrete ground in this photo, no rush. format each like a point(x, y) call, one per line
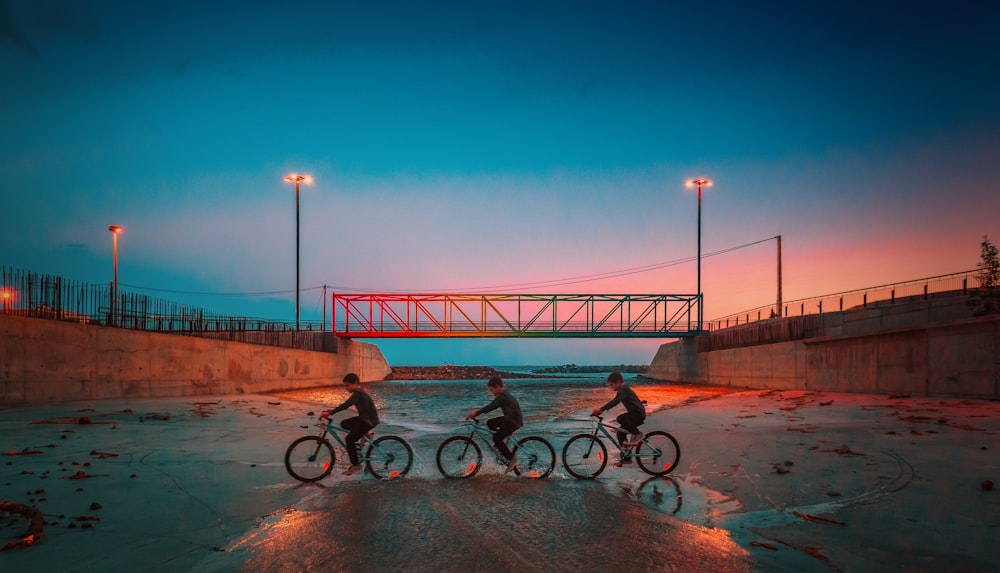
point(768, 481)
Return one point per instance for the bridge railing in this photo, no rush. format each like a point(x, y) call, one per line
point(515, 315)
point(928, 287)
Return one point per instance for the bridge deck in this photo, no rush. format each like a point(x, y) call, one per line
point(515, 315)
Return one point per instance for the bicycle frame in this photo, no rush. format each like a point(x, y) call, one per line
point(601, 426)
point(477, 428)
point(329, 429)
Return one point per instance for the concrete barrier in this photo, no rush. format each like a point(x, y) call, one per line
point(923, 348)
point(48, 361)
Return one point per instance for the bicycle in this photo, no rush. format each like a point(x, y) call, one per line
point(585, 455)
point(311, 458)
point(461, 457)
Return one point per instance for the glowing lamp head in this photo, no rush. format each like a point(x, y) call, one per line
point(295, 178)
point(115, 229)
point(701, 182)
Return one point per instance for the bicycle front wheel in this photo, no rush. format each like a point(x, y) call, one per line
point(658, 453)
point(584, 456)
point(389, 457)
point(459, 457)
point(310, 459)
point(535, 457)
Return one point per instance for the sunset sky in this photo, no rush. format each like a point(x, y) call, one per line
point(497, 146)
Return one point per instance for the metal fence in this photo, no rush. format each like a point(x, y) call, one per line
point(45, 296)
point(941, 285)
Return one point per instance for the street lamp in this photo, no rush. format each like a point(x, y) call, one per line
point(115, 231)
point(701, 301)
point(297, 179)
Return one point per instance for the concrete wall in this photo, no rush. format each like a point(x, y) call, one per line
point(47, 361)
point(906, 349)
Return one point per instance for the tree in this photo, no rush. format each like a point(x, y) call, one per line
point(986, 299)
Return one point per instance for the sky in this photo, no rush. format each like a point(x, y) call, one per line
point(497, 147)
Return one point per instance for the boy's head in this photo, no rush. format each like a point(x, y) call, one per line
point(616, 380)
point(352, 380)
point(495, 384)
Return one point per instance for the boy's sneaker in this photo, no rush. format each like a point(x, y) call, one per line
point(511, 465)
point(624, 460)
point(355, 468)
point(636, 439)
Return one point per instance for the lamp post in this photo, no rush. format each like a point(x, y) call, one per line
point(701, 301)
point(115, 231)
point(297, 179)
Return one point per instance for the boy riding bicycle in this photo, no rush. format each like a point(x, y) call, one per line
point(635, 412)
point(504, 425)
point(359, 425)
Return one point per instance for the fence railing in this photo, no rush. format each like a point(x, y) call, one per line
point(960, 283)
point(45, 296)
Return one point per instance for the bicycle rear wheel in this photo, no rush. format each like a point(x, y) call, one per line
point(310, 459)
point(658, 453)
point(389, 457)
point(535, 457)
point(584, 456)
point(459, 457)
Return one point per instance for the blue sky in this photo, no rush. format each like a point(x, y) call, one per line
point(471, 145)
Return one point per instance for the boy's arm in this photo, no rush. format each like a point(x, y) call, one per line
point(487, 408)
point(607, 406)
point(347, 404)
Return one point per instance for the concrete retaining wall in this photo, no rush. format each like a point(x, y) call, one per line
point(48, 361)
point(907, 349)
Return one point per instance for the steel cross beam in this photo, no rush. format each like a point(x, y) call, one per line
point(515, 315)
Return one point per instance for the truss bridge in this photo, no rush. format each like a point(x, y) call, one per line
point(516, 315)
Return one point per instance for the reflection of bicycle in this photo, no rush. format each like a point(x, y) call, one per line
point(311, 458)
point(461, 457)
point(662, 492)
point(585, 455)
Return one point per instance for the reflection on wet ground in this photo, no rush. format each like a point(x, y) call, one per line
point(490, 522)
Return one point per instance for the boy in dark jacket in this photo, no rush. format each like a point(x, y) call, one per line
point(504, 425)
point(635, 412)
point(359, 425)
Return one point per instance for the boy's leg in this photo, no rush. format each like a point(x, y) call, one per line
point(501, 429)
point(630, 423)
point(356, 429)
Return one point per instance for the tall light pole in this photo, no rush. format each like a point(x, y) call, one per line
point(701, 301)
point(115, 231)
point(779, 278)
point(297, 179)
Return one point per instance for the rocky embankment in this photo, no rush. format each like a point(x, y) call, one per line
point(453, 372)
